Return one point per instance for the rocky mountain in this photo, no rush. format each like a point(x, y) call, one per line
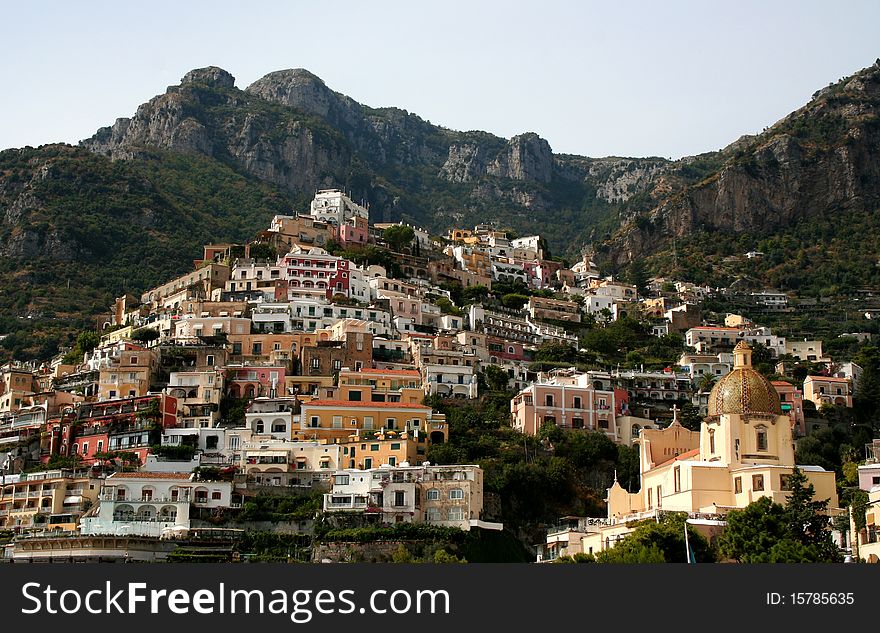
point(209, 161)
point(811, 181)
point(291, 130)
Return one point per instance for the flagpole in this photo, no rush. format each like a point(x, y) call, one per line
point(687, 546)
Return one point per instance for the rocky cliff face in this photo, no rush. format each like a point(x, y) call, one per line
point(526, 157)
point(207, 115)
point(821, 159)
point(290, 129)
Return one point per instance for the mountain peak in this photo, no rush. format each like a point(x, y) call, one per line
point(211, 75)
point(298, 88)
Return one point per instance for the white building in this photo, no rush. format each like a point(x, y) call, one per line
point(334, 207)
point(152, 504)
point(271, 416)
point(449, 381)
point(450, 496)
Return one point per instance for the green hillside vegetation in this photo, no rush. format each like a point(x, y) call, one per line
point(98, 228)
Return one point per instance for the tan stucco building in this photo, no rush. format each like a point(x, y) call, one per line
point(743, 451)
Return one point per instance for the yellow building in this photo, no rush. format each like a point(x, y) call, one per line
point(336, 420)
point(381, 385)
point(129, 375)
point(53, 499)
point(866, 542)
point(744, 451)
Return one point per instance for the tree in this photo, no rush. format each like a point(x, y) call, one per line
point(707, 381)
point(806, 519)
point(635, 554)
point(145, 334)
point(866, 401)
point(768, 532)
point(496, 378)
point(398, 236)
point(660, 542)
point(441, 556)
point(690, 417)
point(86, 341)
point(514, 301)
point(637, 275)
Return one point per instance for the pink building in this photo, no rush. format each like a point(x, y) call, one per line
point(792, 400)
point(354, 233)
point(828, 390)
point(569, 402)
point(317, 272)
point(501, 349)
point(251, 382)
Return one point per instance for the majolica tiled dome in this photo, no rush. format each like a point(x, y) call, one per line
point(743, 390)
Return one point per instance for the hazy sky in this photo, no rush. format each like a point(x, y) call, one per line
point(662, 78)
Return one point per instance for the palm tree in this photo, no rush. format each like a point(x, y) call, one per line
point(707, 381)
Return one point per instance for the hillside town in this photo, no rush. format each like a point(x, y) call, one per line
point(318, 361)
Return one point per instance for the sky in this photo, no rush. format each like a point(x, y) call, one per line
point(624, 78)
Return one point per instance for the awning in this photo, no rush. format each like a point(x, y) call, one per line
point(73, 499)
point(301, 459)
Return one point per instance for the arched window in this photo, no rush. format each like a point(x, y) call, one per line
point(761, 438)
point(712, 441)
point(433, 494)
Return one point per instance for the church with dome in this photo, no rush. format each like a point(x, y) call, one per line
point(743, 451)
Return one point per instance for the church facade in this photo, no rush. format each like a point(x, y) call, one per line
point(743, 451)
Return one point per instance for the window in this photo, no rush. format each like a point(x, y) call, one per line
point(209, 360)
point(650, 500)
point(316, 363)
point(433, 494)
point(676, 478)
point(758, 482)
point(712, 441)
point(392, 461)
point(432, 514)
point(340, 480)
point(368, 423)
point(201, 496)
point(101, 447)
point(548, 400)
point(354, 396)
point(368, 463)
point(456, 514)
point(374, 447)
point(785, 482)
point(577, 423)
point(603, 424)
point(399, 498)
point(456, 493)
point(761, 438)
point(215, 494)
point(85, 450)
point(390, 423)
point(737, 485)
point(577, 402)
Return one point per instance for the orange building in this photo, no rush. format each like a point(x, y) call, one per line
point(336, 420)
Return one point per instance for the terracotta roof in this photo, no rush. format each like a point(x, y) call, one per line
point(718, 327)
point(829, 378)
point(683, 456)
point(363, 405)
point(391, 372)
point(149, 475)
